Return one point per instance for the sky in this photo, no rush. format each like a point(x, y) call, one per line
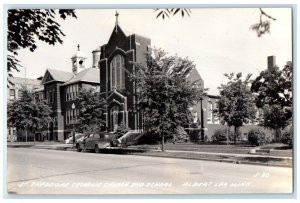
point(217, 40)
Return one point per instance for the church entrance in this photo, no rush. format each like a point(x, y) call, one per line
point(114, 118)
point(50, 130)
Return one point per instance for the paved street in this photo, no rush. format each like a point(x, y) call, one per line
point(38, 171)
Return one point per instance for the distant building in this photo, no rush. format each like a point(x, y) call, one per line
point(15, 85)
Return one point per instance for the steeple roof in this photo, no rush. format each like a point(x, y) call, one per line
point(78, 53)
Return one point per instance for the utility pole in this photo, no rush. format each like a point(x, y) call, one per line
point(73, 108)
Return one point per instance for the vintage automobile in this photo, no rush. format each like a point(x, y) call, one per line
point(96, 142)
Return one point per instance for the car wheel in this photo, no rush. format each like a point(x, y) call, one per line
point(97, 150)
point(78, 148)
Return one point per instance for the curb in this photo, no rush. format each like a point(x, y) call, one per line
point(217, 160)
point(135, 152)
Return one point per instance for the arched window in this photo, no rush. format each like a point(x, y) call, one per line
point(209, 112)
point(216, 116)
point(117, 65)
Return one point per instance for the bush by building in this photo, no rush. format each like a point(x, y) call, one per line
point(194, 135)
point(220, 135)
point(287, 137)
point(258, 137)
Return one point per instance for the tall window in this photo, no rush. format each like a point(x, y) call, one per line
point(19, 94)
point(12, 94)
point(209, 112)
point(216, 116)
point(117, 65)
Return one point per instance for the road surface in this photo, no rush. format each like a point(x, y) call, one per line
point(38, 171)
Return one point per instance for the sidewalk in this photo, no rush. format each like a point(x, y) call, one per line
point(265, 160)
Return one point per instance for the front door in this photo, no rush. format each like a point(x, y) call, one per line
point(51, 130)
point(114, 121)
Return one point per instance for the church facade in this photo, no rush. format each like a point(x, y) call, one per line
point(116, 64)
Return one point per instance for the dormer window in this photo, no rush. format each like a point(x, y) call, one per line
point(117, 66)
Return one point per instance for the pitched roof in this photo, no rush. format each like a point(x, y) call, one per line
point(194, 76)
point(24, 81)
point(59, 75)
point(87, 75)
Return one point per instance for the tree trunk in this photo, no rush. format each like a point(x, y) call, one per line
point(277, 134)
point(26, 133)
point(227, 136)
point(162, 142)
point(34, 138)
point(235, 134)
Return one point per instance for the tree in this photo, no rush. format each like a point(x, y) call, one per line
point(236, 103)
point(27, 115)
point(164, 94)
point(263, 26)
point(172, 12)
point(26, 26)
point(91, 111)
point(273, 94)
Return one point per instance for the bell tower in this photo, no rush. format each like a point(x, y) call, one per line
point(78, 61)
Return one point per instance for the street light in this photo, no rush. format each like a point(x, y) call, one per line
point(202, 121)
point(73, 108)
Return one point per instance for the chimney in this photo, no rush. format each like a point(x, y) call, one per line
point(271, 62)
point(96, 57)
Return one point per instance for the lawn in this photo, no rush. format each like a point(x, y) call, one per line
point(214, 148)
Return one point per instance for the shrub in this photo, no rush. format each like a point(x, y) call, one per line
point(180, 135)
point(287, 138)
point(220, 135)
point(194, 135)
point(149, 137)
point(258, 137)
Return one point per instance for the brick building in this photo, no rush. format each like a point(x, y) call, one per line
point(14, 87)
point(60, 92)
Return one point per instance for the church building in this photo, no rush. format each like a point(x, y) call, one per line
point(116, 64)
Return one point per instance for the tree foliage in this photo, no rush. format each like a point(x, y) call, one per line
point(26, 114)
point(164, 93)
point(167, 12)
point(91, 107)
point(264, 24)
point(273, 94)
point(236, 103)
point(27, 26)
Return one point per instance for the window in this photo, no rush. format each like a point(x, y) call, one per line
point(19, 94)
point(40, 97)
point(50, 96)
point(55, 121)
point(216, 117)
point(69, 117)
point(209, 111)
point(72, 92)
point(117, 65)
point(54, 98)
point(12, 94)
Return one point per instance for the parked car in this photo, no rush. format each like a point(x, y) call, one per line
point(78, 136)
point(96, 142)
